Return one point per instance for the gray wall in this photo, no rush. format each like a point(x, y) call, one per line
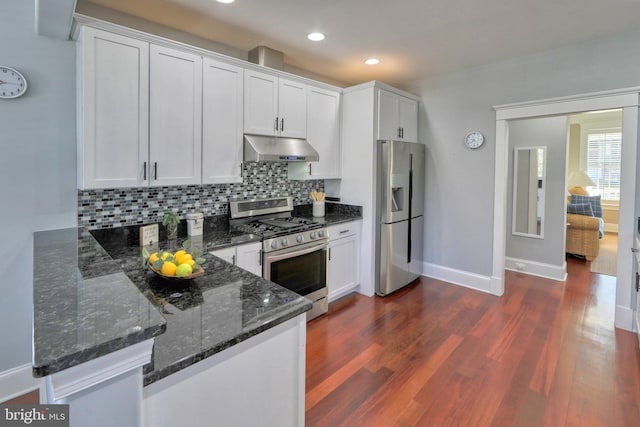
point(550, 132)
point(37, 165)
point(460, 190)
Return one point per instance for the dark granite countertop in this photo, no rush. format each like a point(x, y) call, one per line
point(85, 306)
point(335, 213)
point(122, 300)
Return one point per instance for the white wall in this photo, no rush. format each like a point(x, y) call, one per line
point(459, 193)
point(37, 166)
point(550, 132)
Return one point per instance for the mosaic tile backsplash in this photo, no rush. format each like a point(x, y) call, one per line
point(107, 208)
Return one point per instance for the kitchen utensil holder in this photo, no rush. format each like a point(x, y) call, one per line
point(318, 209)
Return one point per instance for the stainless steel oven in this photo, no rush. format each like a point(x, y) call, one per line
point(295, 249)
point(302, 269)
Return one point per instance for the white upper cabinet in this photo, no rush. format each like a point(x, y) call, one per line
point(397, 117)
point(292, 108)
point(260, 103)
point(222, 112)
point(408, 119)
point(175, 117)
point(274, 106)
point(323, 133)
point(113, 105)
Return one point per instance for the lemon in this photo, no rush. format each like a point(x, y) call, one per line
point(153, 258)
point(168, 269)
point(165, 255)
point(179, 253)
point(190, 262)
point(183, 258)
point(184, 270)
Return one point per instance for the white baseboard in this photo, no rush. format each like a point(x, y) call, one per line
point(624, 318)
point(460, 277)
point(610, 228)
point(548, 271)
point(342, 292)
point(18, 381)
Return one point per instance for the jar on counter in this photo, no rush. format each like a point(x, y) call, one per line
point(195, 223)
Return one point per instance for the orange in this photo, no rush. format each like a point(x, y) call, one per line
point(153, 258)
point(179, 253)
point(168, 269)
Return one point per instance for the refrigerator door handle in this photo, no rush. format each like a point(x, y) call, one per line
point(410, 205)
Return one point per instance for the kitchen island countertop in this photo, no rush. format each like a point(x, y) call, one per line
point(93, 295)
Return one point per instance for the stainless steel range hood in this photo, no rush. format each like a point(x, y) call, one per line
point(259, 148)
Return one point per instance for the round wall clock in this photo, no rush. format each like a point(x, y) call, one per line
point(12, 83)
point(474, 139)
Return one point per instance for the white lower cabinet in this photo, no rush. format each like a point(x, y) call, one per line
point(248, 257)
point(257, 382)
point(344, 259)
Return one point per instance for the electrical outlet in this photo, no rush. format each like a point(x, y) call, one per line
point(149, 234)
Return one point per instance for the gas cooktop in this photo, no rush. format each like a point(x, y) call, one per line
point(274, 227)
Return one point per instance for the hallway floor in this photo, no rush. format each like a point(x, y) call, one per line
point(432, 354)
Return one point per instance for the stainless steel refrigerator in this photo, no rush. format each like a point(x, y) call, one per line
point(399, 214)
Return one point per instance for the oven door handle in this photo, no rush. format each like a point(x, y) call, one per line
point(276, 258)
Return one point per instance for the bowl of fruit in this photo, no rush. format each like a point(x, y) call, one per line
point(179, 265)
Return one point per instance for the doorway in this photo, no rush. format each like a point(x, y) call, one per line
point(593, 170)
point(627, 100)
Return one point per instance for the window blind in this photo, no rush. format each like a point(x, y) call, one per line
point(603, 162)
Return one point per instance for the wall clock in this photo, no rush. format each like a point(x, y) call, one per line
point(474, 139)
point(12, 83)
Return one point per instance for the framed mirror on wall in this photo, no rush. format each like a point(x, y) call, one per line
point(529, 167)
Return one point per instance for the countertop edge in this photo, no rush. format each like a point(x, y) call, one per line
point(157, 375)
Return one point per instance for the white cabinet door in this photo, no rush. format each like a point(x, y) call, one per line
point(344, 248)
point(292, 109)
point(113, 107)
point(222, 100)
point(249, 257)
point(397, 117)
point(388, 127)
point(175, 117)
point(323, 133)
point(408, 119)
point(227, 254)
point(260, 103)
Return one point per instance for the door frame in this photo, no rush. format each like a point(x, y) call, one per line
point(628, 101)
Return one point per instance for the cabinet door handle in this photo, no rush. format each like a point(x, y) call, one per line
point(634, 250)
point(343, 231)
point(402, 133)
point(329, 254)
point(399, 134)
point(281, 125)
point(233, 258)
point(260, 257)
point(144, 172)
point(155, 170)
point(276, 125)
point(637, 282)
point(309, 169)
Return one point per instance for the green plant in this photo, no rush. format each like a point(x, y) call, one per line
point(170, 218)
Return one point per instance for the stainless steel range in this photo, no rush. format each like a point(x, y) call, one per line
point(294, 250)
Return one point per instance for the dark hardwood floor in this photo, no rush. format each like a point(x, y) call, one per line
point(433, 354)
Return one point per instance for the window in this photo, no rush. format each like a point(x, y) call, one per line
point(603, 162)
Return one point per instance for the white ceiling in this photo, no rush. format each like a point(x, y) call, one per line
point(414, 39)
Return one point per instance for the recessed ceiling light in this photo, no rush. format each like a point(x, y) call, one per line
point(225, 1)
point(316, 37)
point(372, 61)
